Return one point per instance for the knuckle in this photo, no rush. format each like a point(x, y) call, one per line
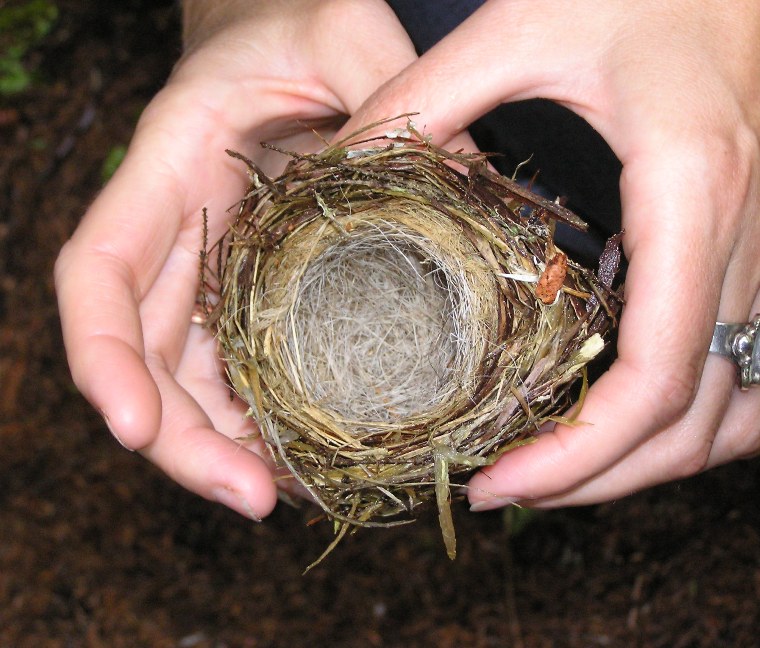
point(742, 162)
point(694, 460)
point(673, 392)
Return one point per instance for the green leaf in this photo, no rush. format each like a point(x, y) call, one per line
point(14, 77)
point(22, 28)
point(112, 162)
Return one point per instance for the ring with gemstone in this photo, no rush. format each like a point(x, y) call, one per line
point(740, 343)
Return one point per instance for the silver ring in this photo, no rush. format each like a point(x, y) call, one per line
point(740, 343)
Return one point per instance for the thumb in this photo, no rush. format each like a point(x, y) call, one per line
point(505, 51)
point(374, 49)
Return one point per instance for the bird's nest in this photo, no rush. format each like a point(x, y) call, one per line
point(396, 314)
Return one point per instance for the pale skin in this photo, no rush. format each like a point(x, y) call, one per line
point(673, 87)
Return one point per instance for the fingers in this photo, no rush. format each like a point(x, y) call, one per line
point(221, 467)
point(127, 283)
point(673, 287)
point(101, 276)
point(720, 426)
point(662, 412)
point(679, 451)
point(504, 51)
point(144, 231)
point(373, 48)
point(739, 434)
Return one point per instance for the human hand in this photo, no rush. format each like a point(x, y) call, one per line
point(127, 281)
point(674, 88)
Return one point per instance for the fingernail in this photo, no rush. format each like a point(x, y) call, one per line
point(234, 500)
point(113, 434)
point(492, 503)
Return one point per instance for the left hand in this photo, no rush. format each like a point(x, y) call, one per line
point(674, 88)
point(127, 280)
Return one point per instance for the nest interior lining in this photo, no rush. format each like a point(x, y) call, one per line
point(377, 328)
point(384, 315)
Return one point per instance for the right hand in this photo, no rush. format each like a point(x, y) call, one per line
point(127, 280)
point(679, 108)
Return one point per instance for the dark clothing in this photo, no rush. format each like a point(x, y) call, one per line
point(428, 21)
point(572, 159)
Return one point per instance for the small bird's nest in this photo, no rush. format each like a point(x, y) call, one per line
point(393, 321)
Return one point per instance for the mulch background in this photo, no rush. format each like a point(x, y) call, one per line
point(98, 548)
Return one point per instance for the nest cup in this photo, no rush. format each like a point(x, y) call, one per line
point(397, 314)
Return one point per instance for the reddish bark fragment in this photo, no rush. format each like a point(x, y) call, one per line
point(551, 279)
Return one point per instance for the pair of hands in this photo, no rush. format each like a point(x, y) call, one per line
point(675, 91)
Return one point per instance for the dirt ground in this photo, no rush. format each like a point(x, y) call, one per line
point(98, 548)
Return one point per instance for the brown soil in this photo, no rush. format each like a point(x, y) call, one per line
point(97, 548)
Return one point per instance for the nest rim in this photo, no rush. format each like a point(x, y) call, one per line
point(386, 469)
